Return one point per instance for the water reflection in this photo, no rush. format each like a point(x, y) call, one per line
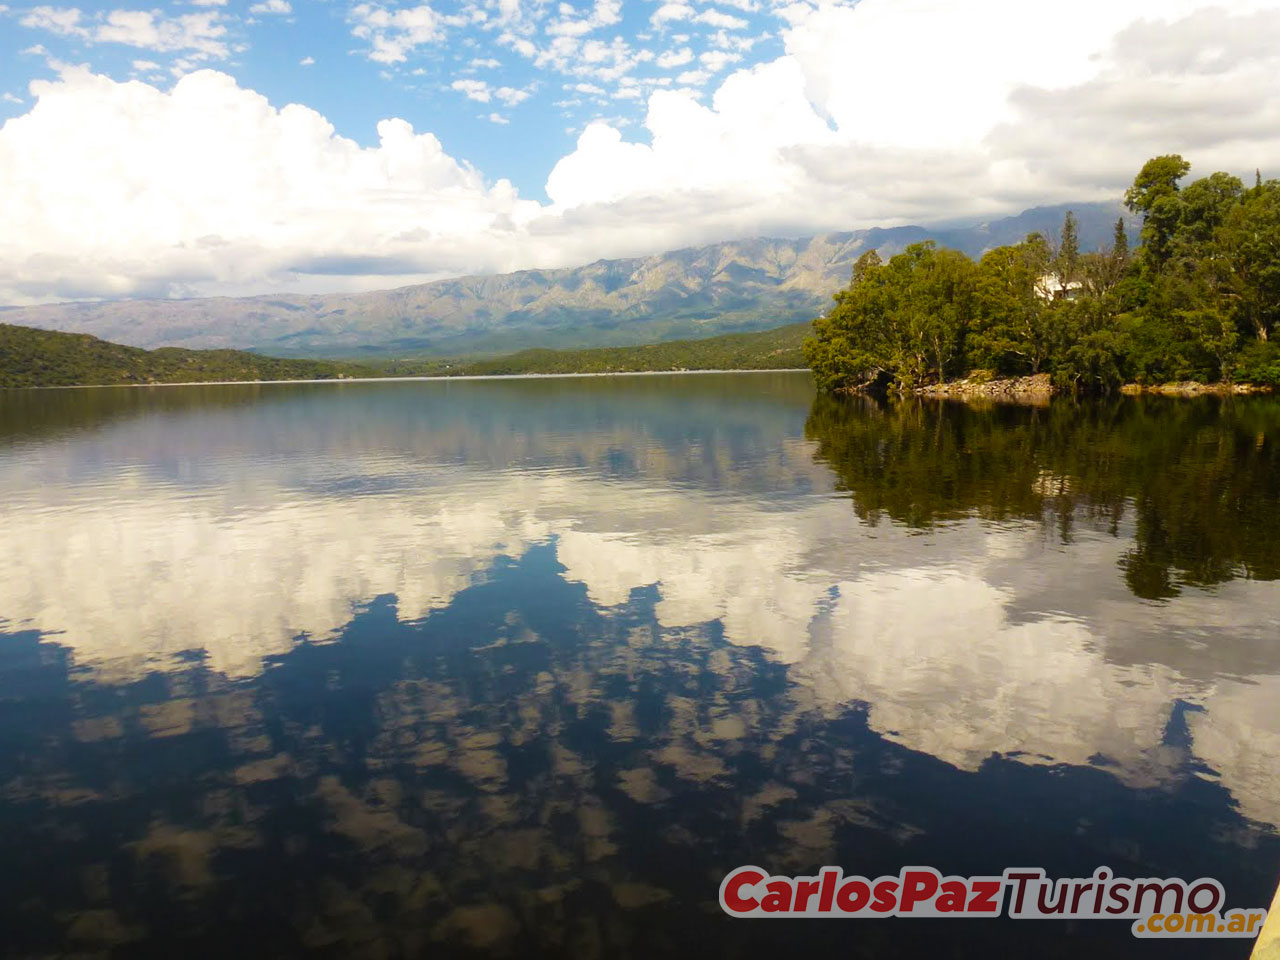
point(1201, 477)
point(525, 668)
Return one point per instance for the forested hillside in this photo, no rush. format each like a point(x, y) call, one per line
point(44, 358)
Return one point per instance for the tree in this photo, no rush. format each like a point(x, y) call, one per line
point(1013, 326)
point(928, 299)
point(1206, 203)
point(1154, 194)
point(865, 265)
point(1120, 243)
point(848, 349)
point(906, 318)
point(1067, 261)
point(1249, 241)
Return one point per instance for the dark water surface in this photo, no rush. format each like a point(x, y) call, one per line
point(524, 667)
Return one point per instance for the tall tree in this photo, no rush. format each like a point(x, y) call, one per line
point(1067, 262)
point(1205, 206)
point(1013, 324)
point(1249, 242)
point(1154, 194)
point(1120, 243)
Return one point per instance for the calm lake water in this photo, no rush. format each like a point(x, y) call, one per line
point(524, 667)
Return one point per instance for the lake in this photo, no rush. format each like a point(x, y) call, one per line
point(525, 667)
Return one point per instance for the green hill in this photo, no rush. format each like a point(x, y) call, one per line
point(768, 349)
point(44, 358)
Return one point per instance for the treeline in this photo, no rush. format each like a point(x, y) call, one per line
point(1197, 300)
point(766, 349)
point(47, 358)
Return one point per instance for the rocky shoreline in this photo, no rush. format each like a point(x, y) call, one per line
point(1024, 389)
point(1039, 388)
point(1191, 388)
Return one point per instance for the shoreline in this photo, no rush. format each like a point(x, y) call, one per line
point(423, 378)
point(1038, 390)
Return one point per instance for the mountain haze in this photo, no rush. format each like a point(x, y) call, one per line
point(739, 285)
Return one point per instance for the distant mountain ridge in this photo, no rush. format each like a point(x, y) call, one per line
point(740, 285)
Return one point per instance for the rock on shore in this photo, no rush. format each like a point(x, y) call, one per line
point(1010, 388)
point(1191, 388)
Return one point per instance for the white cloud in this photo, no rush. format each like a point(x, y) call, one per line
point(716, 18)
point(145, 66)
point(8, 97)
point(717, 60)
point(272, 6)
point(512, 95)
point(64, 21)
point(487, 63)
point(604, 13)
point(674, 58)
point(200, 34)
point(476, 90)
point(498, 118)
point(121, 188)
point(670, 12)
point(592, 58)
point(394, 35)
point(808, 143)
point(693, 78)
point(834, 134)
point(307, 62)
point(208, 3)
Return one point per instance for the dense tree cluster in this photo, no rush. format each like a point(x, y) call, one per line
point(1198, 300)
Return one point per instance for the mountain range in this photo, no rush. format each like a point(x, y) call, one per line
point(739, 285)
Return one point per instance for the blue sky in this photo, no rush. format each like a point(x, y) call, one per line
point(501, 95)
point(198, 147)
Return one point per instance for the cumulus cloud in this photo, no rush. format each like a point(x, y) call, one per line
point(272, 6)
point(124, 189)
point(120, 188)
point(865, 121)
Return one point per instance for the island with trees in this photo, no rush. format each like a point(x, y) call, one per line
point(1196, 302)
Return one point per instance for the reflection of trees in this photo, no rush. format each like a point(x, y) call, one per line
point(1202, 477)
point(520, 771)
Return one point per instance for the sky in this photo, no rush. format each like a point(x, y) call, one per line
point(229, 147)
